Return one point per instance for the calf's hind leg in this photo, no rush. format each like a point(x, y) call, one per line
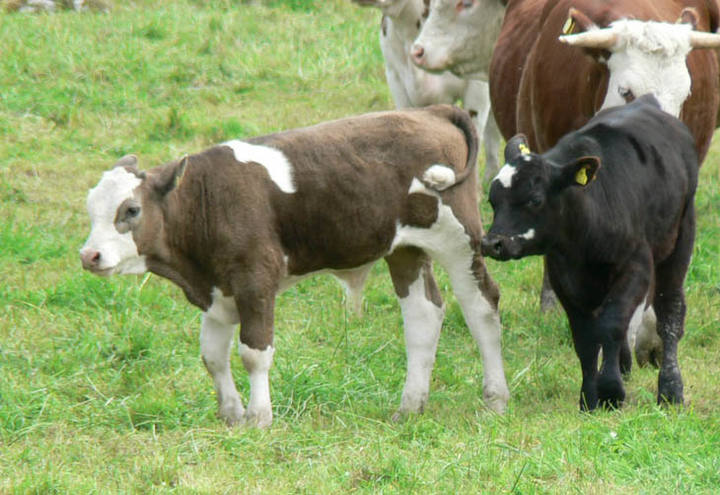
point(423, 310)
point(670, 308)
point(478, 297)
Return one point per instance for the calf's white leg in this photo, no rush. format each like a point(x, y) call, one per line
point(258, 363)
point(215, 345)
point(422, 311)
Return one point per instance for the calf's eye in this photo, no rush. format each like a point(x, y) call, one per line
point(132, 211)
point(534, 202)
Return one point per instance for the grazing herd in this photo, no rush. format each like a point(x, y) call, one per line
point(608, 109)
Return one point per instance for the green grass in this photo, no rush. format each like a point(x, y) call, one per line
point(101, 385)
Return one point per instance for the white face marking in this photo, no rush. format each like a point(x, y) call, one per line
point(506, 175)
point(650, 57)
point(274, 161)
point(118, 252)
point(530, 234)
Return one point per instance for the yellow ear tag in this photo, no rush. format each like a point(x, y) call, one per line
point(569, 26)
point(581, 176)
point(524, 149)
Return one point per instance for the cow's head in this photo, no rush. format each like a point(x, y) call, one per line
point(642, 56)
point(458, 36)
point(523, 195)
point(125, 210)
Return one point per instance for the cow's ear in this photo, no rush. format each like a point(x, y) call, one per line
point(578, 173)
point(688, 16)
point(517, 146)
point(578, 22)
point(170, 176)
point(130, 163)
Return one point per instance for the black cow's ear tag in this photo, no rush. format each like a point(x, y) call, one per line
point(569, 26)
point(581, 176)
point(586, 167)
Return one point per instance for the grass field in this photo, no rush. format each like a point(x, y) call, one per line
point(102, 389)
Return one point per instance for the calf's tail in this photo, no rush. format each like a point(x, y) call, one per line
point(442, 177)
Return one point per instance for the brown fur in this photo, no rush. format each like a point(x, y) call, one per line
point(209, 221)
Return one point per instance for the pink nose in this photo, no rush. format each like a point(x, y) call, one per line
point(90, 258)
point(418, 54)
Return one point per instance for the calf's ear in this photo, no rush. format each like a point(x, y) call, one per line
point(517, 146)
point(170, 176)
point(577, 173)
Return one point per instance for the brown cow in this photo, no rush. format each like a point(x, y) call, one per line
point(544, 87)
point(239, 222)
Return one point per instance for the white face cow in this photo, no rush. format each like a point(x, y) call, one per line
point(113, 208)
point(646, 57)
point(459, 36)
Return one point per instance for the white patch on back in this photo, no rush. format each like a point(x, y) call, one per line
point(650, 57)
point(506, 175)
point(439, 177)
point(274, 161)
point(118, 252)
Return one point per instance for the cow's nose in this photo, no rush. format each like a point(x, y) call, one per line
point(90, 258)
point(491, 246)
point(418, 54)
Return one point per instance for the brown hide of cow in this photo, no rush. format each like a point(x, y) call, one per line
point(227, 225)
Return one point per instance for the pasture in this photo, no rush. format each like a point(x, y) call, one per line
point(102, 389)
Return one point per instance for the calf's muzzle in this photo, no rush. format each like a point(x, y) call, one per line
point(500, 247)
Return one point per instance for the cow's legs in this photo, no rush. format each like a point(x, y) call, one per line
point(478, 296)
point(423, 311)
point(216, 334)
point(587, 350)
point(670, 307)
point(256, 350)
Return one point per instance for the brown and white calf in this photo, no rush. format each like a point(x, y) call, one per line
point(241, 221)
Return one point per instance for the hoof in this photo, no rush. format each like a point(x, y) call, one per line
point(232, 413)
point(258, 419)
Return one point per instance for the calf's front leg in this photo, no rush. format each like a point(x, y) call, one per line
point(256, 352)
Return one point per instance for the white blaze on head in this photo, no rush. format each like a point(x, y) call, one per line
point(650, 57)
point(506, 175)
point(274, 161)
point(530, 234)
point(118, 252)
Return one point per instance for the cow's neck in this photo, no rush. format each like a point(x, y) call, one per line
point(186, 225)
